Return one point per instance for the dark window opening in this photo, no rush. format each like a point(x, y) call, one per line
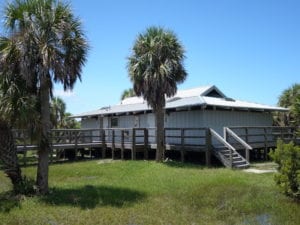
point(114, 122)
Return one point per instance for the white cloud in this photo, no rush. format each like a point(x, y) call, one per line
point(63, 94)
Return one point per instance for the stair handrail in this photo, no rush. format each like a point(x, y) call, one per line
point(224, 142)
point(221, 139)
point(237, 138)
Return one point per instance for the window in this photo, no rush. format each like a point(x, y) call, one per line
point(114, 122)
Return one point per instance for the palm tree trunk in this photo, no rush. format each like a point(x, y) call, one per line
point(160, 136)
point(8, 155)
point(44, 145)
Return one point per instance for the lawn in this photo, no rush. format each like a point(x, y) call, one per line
point(144, 192)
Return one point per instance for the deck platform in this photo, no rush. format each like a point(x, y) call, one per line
point(142, 140)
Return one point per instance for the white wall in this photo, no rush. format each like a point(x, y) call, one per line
point(184, 119)
point(215, 119)
point(92, 123)
point(218, 119)
point(106, 122)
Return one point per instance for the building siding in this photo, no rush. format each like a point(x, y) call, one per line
point(215, 119)
point(90, 123)
point(184, 119)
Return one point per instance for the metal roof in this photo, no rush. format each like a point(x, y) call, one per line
point(182, 99)
point(231, 103)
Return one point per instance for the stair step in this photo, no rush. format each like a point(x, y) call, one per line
point(224, 155)
point(239, 161)
point(233, 155)
point(228, 153)
point(239, 165)
point(242, 166)
point(224, 151)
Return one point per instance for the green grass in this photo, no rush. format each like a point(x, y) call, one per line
point(143, 192)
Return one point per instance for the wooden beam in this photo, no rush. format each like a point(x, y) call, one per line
point(122, 144)
point(145, 144)
point(133, 150)
point(103, 153)
point(113, 145)
point(182, 151)
point(208, 147)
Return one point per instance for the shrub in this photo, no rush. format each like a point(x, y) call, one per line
point(287, 156)
point(25, 187)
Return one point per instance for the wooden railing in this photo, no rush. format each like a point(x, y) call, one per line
point(121, 138)
point(185, 136)
point(192, 139)
point(229, 133)
point(246, 136)
point(143, 139)
point(264, 137)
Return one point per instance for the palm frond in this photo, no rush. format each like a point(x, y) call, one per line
point(156, 65)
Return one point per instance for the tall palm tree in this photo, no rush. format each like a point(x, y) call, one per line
point(58, 112)
point(51, 48)
point(18, 103)
point(128, 93)
point(70, 123)
point(17, 108)
point(8, 154)
point(155, 68)
point(59, 117)
point(290, 98)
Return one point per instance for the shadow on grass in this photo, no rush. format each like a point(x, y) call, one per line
point(8, 201)
point(88, 197)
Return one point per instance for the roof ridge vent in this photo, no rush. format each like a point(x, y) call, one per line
point(229, 99)
point(105, 108)
point(173, 99)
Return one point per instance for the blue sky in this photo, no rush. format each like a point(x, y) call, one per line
point(249, 49)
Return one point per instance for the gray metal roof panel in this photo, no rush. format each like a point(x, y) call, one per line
point(221, 102)
point(185, 102)
point(182, 99)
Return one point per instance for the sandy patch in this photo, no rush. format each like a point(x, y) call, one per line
point(251, 170)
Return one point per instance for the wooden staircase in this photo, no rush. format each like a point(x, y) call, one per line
point(227, 154)
point(224, 155)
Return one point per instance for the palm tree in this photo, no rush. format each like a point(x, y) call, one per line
point(128, 93)
point(51, 48)
point(18, 103)
point(17, 109)
point(155, 68)
point(8, 155)
point(70, 123)
point(290, 98)
point(59, 117)
point(58, 112)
